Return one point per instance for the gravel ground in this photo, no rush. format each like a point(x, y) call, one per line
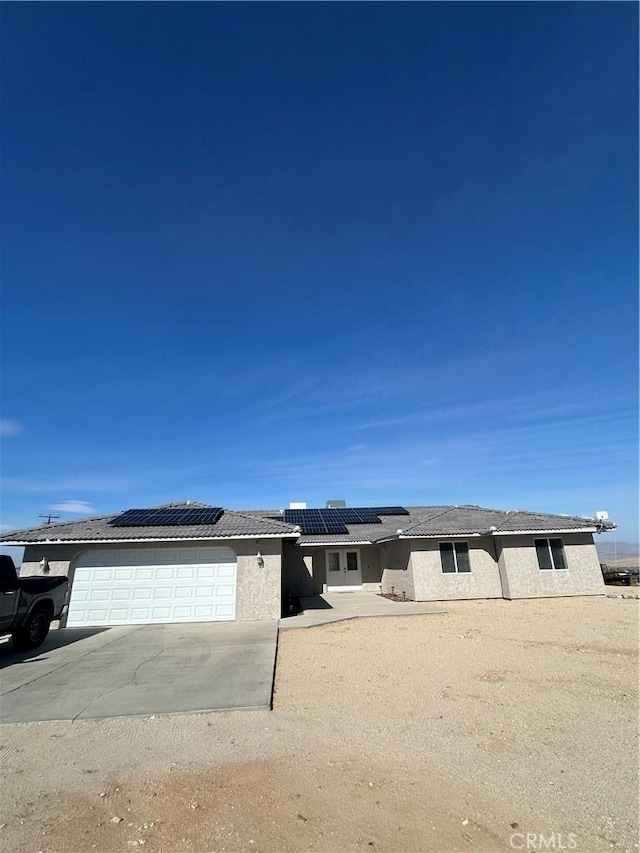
point(455, 732)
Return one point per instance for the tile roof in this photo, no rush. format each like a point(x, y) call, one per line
point(230, 524)
point(449, 521)
point(475, 520)
point(421, 521)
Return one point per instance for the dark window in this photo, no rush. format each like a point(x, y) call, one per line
point(447, 557)
point(352, 561)
point(550, 554)
point(454, 557)
point(462, 557)
point(557, 553)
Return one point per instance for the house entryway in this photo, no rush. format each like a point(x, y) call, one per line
point(344, 571)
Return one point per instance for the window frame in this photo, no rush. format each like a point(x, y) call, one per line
point(454, 553)
point(551, 555)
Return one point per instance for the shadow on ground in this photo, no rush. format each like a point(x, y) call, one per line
point(55, 640)
point(316, 602)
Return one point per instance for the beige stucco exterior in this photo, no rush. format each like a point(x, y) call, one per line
point(397, 572)
point(521, 577)
point(501, 567)
point(257, 591)
point(432, 584)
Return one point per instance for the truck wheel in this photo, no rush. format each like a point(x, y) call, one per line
point(34, 631)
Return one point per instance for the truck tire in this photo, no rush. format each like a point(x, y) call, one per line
point(34, 631)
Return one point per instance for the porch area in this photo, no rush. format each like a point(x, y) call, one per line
point(352, 604)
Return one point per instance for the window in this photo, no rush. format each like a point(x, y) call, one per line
point(454, 557)
point(550, 554)
point(333, 561)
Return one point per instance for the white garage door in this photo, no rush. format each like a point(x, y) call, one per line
point(153, 585)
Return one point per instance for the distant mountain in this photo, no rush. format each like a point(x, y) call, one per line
point(611, 550)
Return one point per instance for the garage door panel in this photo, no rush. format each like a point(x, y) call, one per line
point(99, 595)
point(184, 592)
point(166, 574)
point(121, 595)
point(177, 587)
point(118, 615)
point(142, 593)
point(164, 592)
point(103, 575)
point(123, 574)
point(205, 572)
point(145, 574)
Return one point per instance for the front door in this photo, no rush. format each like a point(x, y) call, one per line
point(343, 569)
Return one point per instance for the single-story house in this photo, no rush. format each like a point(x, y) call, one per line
point(191, 562)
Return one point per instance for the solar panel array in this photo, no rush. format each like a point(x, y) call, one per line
point(168, 516)
point(316, 520)
point(334, 520)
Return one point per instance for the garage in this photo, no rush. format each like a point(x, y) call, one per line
point(143, 586)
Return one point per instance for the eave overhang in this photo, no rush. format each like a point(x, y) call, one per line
point(564, 531)
point(228, 537)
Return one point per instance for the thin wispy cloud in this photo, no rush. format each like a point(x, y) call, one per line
point(9, 427)
point(75, 507)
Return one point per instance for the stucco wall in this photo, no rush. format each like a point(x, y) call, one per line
point(258, 595)
point(397, 574)
point(432, 584)
point(523, 579)
point(371, 568)
point(59, 557)
point(297, 570)
point(258, 589)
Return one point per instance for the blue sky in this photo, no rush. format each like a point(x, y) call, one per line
point(255, 253)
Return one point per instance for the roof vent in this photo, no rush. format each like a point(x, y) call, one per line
point(336, 504)
point(298, 505)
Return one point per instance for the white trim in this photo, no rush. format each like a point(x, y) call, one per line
point(336, 544)
point(543, 533)
point(444, 536)
point(158, 539)
point(332, 544)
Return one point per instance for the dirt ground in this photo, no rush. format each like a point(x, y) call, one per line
point(495, 726)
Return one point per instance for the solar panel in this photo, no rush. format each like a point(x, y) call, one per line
point(390, 510)
point(315, 520)
point(167, 516)
point(356, 515)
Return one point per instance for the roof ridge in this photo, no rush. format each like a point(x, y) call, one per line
point(532, 512)
point(429, 518)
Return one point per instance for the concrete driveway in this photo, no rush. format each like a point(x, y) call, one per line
point(92, 673)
